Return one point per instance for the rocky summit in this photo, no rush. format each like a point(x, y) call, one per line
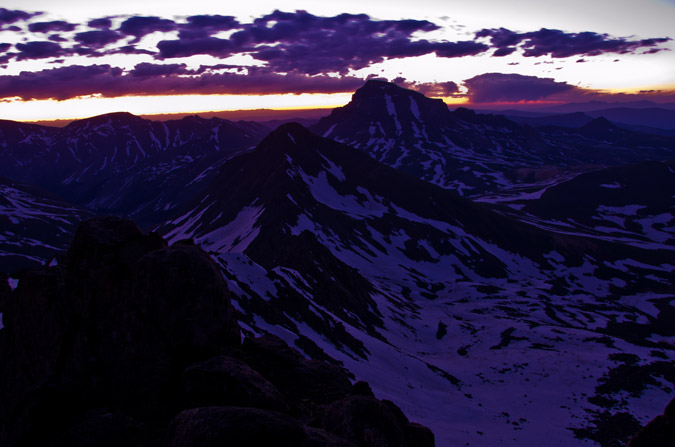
point(133, 342)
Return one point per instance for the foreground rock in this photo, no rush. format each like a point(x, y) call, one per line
point(659, 432)
point(131, 342)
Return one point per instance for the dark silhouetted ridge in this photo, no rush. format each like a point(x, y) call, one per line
point(599, 125)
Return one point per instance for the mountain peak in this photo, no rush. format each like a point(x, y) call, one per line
point(377, 88)
point(464, 114)
point(292, 127)
point(115, 118)
point(377, 84)
point(380, 108)
point(286, 136)
point(599, 124)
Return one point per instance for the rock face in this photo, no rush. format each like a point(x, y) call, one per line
point(659, 432)
point(132, 342)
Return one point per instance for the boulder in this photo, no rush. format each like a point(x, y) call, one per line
point(235, 427)
point(99, 241)
point(179, 292)
point(364, 421)
point(300, 380)
point(659, 432)
point(317, 437)
point(105, 429)
point(4, 289)
point(226, 381)
point(118, 322)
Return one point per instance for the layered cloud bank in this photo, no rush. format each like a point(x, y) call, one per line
point(279, 53)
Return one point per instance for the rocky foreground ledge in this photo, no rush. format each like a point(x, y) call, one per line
point(659, 432)
point(130, 342)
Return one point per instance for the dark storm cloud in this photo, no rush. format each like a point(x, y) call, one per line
point(558, 44)
point(505, 51)
point(311, 44)
point(71, 81)
point(500, 87)
point(145, 69)
point(8, 16)
point(202, 26)
point(57, 38)
point(459, 49)
point(128, 49)
point(434, 89)
point(298, 49)
point(140, 26)
point(50, 27)
point(57, 83)
point(97, 39)
point(103, 23)
point(189, 47)
point(39, 50)
point(4, 47)
point(302, 42)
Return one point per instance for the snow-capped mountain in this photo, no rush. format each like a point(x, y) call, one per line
point(631, 204)
point(485, 329)
point(474, 153)
point(123, 164)
point(34, 226)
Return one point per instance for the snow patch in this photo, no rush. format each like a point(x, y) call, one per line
point(236, 235)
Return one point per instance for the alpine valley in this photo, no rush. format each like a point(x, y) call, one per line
point(504, 282)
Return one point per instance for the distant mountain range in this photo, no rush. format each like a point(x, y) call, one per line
point(34, 225)
point(504, 284)
point(122, 164)
point(474, 153)
point(595, 106)
point(653, 120)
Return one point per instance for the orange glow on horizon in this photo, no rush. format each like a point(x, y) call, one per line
point(50, 110)
point(83, 107)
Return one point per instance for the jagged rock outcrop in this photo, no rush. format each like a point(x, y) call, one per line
point(4, 289)
point(659, 432)
point(226, 380)
point(365, 420)
point(133, 342)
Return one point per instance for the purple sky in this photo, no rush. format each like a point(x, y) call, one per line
point(49, 54)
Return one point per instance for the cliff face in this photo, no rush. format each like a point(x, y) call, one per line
point(132, 342)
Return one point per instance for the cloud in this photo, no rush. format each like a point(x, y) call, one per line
point(300, 42)
point(500, 87)
point(189, 47)
point(149, 79)
point(146, 69)
point(39, 50)
point(505, 51)
point(202, 26)
point(129, 49)
point(559, 44)
point(98, 38)
point(305, 43)
point(298, 50)
point(433, 89)
point(57, 38)
point(57, 83)
point(459, 49)
point(8, 16)
point(49, 27)
point(103, 23)
point(141, 26)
